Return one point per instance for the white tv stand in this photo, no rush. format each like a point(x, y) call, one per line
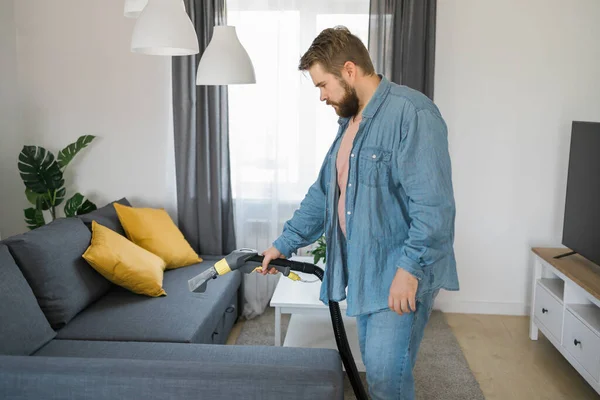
point(566, 308)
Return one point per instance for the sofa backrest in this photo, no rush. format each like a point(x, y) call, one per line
point(50, 258)
point(23, 326)
point(106, 216)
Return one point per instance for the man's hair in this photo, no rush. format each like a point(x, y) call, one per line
point(333, 48)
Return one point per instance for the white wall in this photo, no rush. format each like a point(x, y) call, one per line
point(510, 77)
point(77, 76)
point(11, 188)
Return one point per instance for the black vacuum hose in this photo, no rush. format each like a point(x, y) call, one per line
point(336, 320)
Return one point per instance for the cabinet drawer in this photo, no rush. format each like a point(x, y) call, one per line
point(583, 344)
point(549, 311)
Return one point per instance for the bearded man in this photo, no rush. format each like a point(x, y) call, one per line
point(384, 201)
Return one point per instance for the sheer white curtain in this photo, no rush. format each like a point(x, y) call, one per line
point(279, 131)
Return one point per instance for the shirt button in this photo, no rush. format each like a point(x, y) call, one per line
point(374, 156)
point(352, 155)
point(349, 213)
point(349, 184)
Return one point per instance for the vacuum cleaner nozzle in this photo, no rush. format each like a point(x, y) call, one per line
point(236, 260)
point(246, 261)
point(198, 283)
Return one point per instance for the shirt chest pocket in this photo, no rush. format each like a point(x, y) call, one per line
point(374, 165)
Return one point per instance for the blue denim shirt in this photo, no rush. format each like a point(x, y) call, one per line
point(399, 203)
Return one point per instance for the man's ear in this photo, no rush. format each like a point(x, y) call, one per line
point(349, 69)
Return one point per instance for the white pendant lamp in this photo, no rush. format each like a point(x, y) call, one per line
point(164, 29)
point(225, 61)
point(133, 8)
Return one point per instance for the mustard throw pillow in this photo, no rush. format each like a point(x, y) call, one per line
point(125, 263)
point(154, 230)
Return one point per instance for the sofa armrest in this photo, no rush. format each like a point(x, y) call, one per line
point(53, 378)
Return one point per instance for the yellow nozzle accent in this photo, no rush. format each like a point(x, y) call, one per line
point(291, 275)
point(294, 277)
point(222, 267)
point(257, 269)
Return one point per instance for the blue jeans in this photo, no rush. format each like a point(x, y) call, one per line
point(389, 344)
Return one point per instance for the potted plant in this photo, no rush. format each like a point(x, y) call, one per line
point(319, 252)
point(43, 176)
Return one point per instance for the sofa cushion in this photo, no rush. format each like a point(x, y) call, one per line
point(154, 230)
point(156, 371)
point(181, 316)
point(309, 358)
point(50, 258)
point(124, 263)
point(23, 326)
point(106, 216)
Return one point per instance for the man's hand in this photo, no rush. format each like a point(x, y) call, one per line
point(269, 255)
point(403, 292)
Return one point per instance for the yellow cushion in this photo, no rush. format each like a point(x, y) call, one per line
point(125, 263)
point(154, 230)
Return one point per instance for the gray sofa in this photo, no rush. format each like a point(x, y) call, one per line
point(68, 333)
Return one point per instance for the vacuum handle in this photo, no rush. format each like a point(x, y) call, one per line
point(281, 264)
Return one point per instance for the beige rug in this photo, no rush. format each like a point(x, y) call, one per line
point(441, 373)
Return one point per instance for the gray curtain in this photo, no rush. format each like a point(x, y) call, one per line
point(204, 200)
point(402, 41)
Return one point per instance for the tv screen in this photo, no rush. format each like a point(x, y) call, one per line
point(581, 231)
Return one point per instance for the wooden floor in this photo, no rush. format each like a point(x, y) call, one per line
point(235, 332)
point(506, 363)
point(510, 366)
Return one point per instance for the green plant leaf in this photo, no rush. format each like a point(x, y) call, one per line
point(43, 201)
point(60, 196)
point(78, 205)
point(39, 170)
point(34, 218)
point(66, 155)
point(86, 207)
point(39, 200)
point(73, 204)
point(320, 251)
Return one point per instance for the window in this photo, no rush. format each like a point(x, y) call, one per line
point(279, 130)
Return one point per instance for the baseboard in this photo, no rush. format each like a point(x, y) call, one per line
point(482, 307)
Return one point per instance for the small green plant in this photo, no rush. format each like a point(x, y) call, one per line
point(43, 176)
point(319, 251)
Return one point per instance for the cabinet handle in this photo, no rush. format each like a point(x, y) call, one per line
point(576, 342)
point(544, 311)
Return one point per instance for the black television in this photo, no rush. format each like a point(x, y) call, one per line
point(581, 230)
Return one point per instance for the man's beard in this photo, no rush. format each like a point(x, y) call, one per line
point(348, 106)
